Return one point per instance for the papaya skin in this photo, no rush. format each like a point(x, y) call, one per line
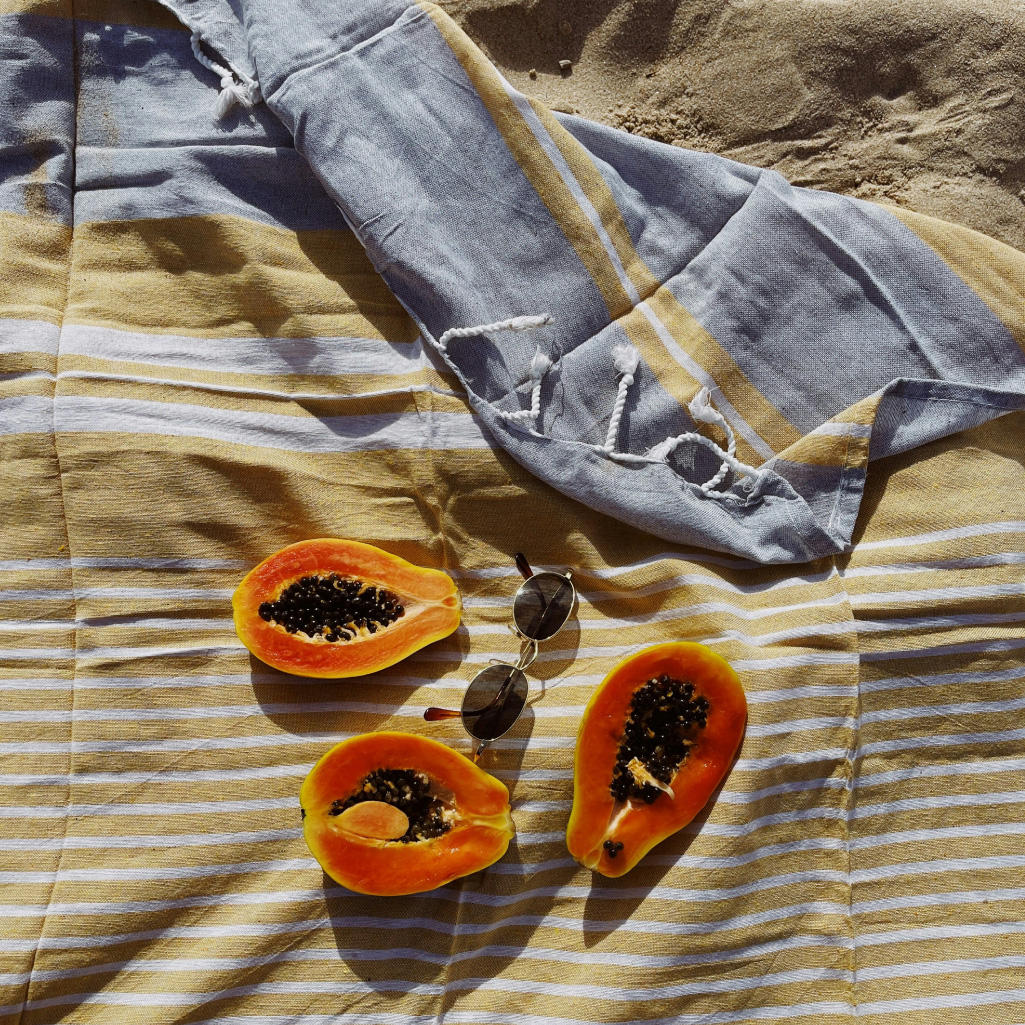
point(481, 821)
point(596, 817)
point(431, 603)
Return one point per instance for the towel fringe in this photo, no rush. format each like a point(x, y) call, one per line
point(702, 411)
point(661, 452)
point(512, 324)
point(539, 365)
point(625, 358)
point(236, 86)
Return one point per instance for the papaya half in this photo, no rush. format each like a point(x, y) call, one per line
point(656, 739)
point(395, 813)
point(333, 608)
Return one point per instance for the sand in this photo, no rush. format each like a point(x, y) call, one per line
point(921, 105)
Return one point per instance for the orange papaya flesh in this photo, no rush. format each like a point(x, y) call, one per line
point(611, 834)
point(459, 817)
point(335, 608)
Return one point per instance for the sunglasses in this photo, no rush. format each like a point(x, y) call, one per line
point(496, 695)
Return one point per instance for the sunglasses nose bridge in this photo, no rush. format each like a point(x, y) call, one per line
point(528, 653)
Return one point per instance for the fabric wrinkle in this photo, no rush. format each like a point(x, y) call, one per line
point(233, 376)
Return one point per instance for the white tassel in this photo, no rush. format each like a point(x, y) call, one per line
point(661, 452)
point(702, 410)
point(625, 358)
point(235, 88)
point(512, 324)
point(527, 323)
point(233, 92)
point(539, 365)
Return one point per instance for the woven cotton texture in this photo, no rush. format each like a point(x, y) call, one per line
point(827, 332)
point(198, 365)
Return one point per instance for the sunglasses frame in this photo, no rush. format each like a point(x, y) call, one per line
point(528, 654)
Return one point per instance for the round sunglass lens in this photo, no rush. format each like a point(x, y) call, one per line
point(493, 701)
point(542, 605)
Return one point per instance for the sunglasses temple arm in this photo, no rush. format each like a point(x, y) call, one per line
point(523, 566)
point(437, 714)
point(434, 714)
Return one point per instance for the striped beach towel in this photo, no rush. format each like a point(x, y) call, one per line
point(225, 289)
point(683, 342)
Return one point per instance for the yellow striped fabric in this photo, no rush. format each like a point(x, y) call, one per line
point(874, 814)
point(209, 389)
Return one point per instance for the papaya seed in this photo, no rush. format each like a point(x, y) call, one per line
point(664, 715)
point(332, 607)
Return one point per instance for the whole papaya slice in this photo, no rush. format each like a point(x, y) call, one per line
point(656, 739)
point(334, 608)
point(395, 813)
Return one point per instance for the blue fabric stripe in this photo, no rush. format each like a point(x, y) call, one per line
point(37, 118)
point(822, 300)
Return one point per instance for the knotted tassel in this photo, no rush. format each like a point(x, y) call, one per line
point(244, 94)
point(512, 324)
point(702, 411)
point(625, 358)
point(662, 451)
point(235, 88)
point(539, 365)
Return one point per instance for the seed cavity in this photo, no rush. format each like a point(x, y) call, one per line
point(641, 776)
point(410, 792)
point(664, 718)
point(333, 607)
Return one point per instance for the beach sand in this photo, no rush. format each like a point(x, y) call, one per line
point(920, 105)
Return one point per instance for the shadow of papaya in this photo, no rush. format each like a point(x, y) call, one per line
point(388, 942)
point(447, 942)
point(495, 934)
point(612, 903)
point(392, 698)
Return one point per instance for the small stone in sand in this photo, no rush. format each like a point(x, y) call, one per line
point(565, 67)
point(532, 72)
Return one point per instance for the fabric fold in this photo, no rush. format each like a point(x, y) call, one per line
point(792, 308)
